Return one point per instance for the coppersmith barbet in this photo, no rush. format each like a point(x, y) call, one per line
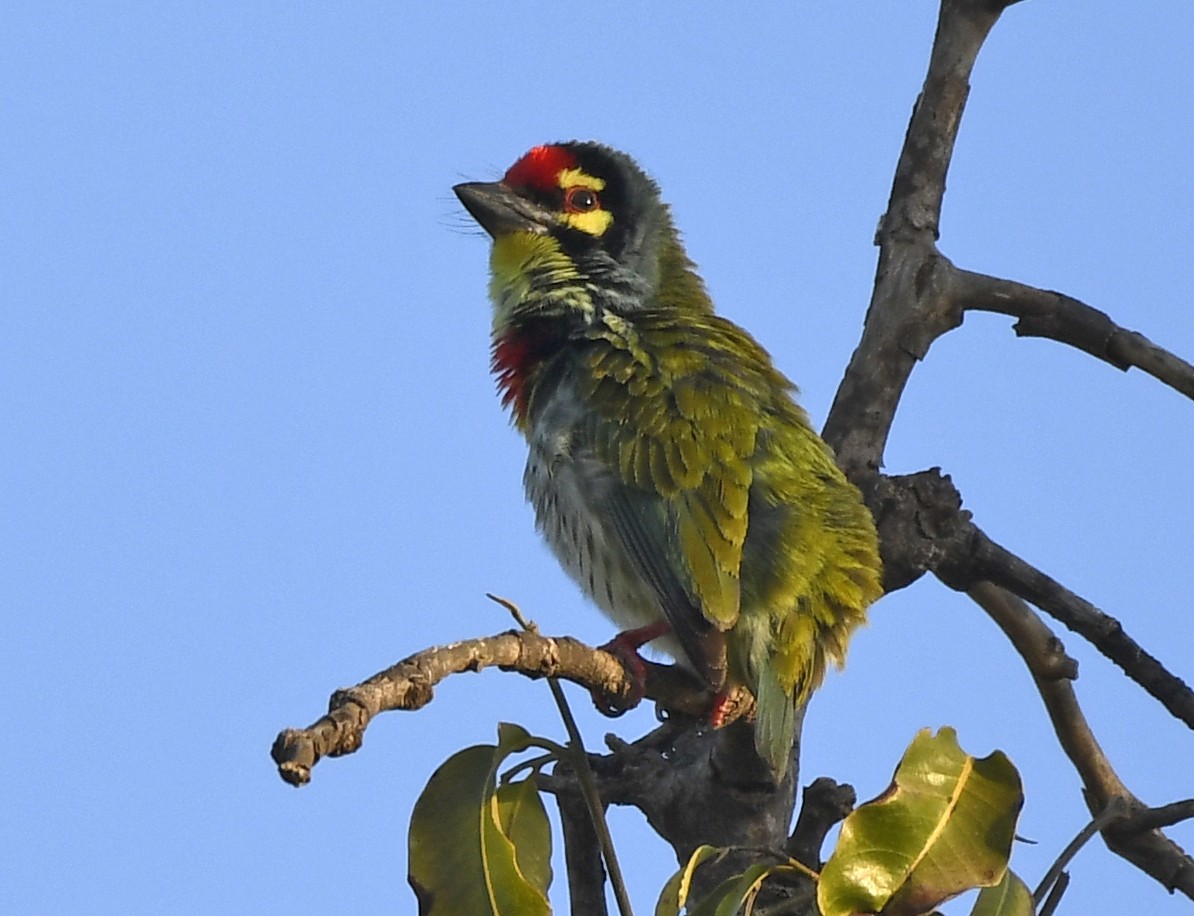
point(670, 470)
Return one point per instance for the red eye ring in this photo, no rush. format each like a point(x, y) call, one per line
point(580, 199)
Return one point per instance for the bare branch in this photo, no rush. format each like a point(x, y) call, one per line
point(923, 527)
point(910, 306)
point(919, 295)
point(1163, 816)
point(1105, 633)
point(1041, 650)
point(1043, 313)
point(410, 685)
point(1146, 848)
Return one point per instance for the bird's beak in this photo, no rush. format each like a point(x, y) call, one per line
point(500, 211)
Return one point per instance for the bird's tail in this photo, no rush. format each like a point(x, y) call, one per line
point(775, 722)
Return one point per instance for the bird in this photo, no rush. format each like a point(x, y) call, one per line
point(670, 469)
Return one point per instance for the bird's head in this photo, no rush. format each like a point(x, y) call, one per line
point(577, 227)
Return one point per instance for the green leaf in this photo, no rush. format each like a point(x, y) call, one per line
point(728, 897)
point(523, 820)
point(474, 849)
point(736, 894)
point(731, 895)
point(944, 825)
point(1010, 897)
point(674, 896)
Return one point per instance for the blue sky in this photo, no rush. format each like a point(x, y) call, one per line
point(252, 451)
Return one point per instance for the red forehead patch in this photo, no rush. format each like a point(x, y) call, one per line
point(539, 168)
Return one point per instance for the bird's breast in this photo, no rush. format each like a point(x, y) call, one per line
point(568, 487)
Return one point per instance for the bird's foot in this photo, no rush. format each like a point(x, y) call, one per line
point(729, 705)
point(720, 709)
point(625, 648)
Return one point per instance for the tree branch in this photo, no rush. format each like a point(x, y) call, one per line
point(919, 295)
point(1145, 847)
point(823, 804)
point(696, 785)
point(410, 685)
point(1163, 816)
point(582, 849)
point(909, 306)
point(1043, 313)
point(1105, 633)
point(923, 528)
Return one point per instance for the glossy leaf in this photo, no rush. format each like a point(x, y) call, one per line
point(523, 820)
point(734, 895)
point(944, 825)
point(674, 897)
point(729, 897)
point(1010, 897)
point(466, 837)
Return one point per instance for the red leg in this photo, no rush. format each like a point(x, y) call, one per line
point(625, 647)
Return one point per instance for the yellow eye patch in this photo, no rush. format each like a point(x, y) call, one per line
point(592, 222)
point(595, 222)
point(573, 178)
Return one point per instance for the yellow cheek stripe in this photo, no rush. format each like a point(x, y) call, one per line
point(572, 178)
point(595, 222)
point(516, 259)
point(516, 254)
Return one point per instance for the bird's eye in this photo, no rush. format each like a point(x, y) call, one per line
point(580, 200)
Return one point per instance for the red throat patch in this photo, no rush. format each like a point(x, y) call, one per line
point(539, 168)
point(516, 355)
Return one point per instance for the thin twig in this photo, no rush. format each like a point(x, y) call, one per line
point(1114, 809)
point(584, 772)
point(1055, 895)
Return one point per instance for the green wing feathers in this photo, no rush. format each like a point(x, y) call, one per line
point(679, 423)
point(736, 498)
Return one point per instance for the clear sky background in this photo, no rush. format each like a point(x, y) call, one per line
point(251, 450)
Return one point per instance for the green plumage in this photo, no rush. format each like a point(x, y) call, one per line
point(670, 469)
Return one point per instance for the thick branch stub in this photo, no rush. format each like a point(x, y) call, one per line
point(696, 785)
point(921, 522)
point(823, 804)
